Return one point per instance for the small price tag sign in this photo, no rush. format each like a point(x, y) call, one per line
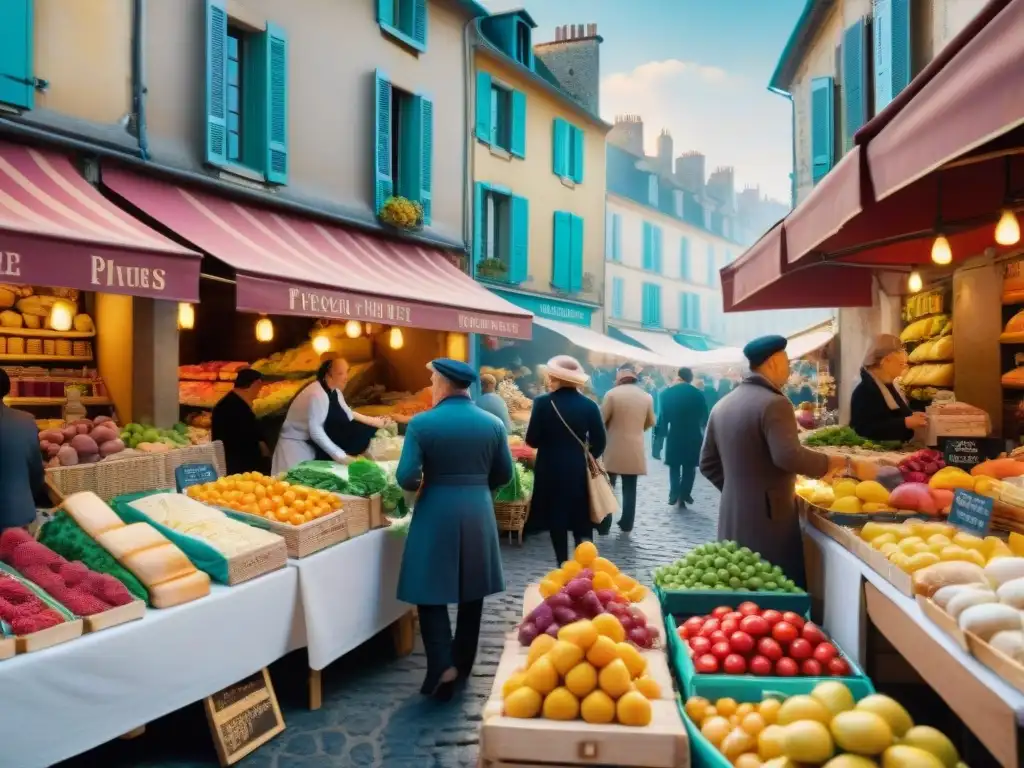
point(968, 452)
point(971, 512)
point(188, 475)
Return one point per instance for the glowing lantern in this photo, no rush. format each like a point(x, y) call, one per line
point(321, 343)
point(186, 316)
point(264, 329)
point(395, 339)
point(353, 329)
point(62, 316)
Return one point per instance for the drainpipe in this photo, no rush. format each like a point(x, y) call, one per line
point(139, 75)
point(467, 139)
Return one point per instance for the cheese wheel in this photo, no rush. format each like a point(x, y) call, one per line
point(156, 565)
point(181, 590)
point(129, 539)
point(92, 515)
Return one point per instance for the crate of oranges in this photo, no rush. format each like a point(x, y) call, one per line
point(308, 519)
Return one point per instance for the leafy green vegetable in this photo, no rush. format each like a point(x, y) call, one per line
point(360, 478)
point(845, 437)
point(366, 478)
point(519, 488)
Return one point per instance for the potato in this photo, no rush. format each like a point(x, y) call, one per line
point(52, 436)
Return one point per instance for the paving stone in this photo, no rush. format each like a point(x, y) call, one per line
point(334, 742)
point(302, 744)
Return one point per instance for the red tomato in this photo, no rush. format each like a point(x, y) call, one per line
point(838, 667)
point(800, 649)
point(772, 617)
point(683, 632)
point(786, 667)
point(794, 618)
point(759, 665)
point(730, 625)
point(721, 650)
point(811, 668)
point(734, 664)
point(734, 615)
point(825, 652)
point(720, 611)
point(812, 633)
point(768, 648)
point(706, 664)
point(693, 624)
point(718, 636)
point(700, 645)
point(741, 642)
point(748, 608)
point(755, 626)
point(785, 632)
point(709, 626)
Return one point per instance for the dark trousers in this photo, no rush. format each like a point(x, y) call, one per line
point(560, 541)
point(680, 482)
point(436, 630)
point(628, 504)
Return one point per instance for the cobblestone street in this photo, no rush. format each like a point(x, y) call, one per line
point(373, 714)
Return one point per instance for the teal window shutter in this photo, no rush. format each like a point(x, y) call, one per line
point(518, 145)
point(383, 182)
point(17, 78)
point(480, 189)
point(425, 160)
point(483, 107)
point(576, 254)
point(617, 297)
point(519, 248)
point(577, 155)
point(900, 46)
point(711, 264)
point(695, 319)
point(855, 91)
point(685, 268)
point(216, 82)
point(684, 311)
point(656, 237)
point(560, 146)
point(561, 258)
point(276, 170)
point(386, 12)
point(645, 304)
point(822, 126)
point(648, 252)
point(617, 236)
point(419, 22)
point(881, 54)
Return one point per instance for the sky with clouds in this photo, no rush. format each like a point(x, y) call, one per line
point(699, 68)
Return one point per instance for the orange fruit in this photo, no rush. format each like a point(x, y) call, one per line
point(637, 593)
point(624, 581)
point(608, 625)
point(603, 580)
point(296, 519)
point(585, 553)
point(571, 568)
point(602, 652)
point(604, 565)
point(648, 686)
point(549, 588)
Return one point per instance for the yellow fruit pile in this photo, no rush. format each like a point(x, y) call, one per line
point(606, 575)
point(825, 728)
point(589, 672)
point(267, 497)
point(916, 544)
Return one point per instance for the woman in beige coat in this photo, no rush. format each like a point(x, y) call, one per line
point(628, 412)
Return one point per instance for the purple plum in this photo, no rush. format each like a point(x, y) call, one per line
point(559, 600)
point(542, 616)
point(563, 616)
point(578, 587)
point(528, 633)
point(590, 603)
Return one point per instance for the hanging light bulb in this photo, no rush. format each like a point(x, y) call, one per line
point(1008, 229)
point(353, 328)
point(264, 329)
point(368, 329)
point(457, 346)
point(395, 339)
point(62, 315)
point(941, 252)
point(321, 343)
point(914, 282)
point(186, 316)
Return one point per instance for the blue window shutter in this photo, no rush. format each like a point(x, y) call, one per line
point(419, 22)
point(881, 54)
point(560, 140)
point(483, 107)
point(518, 144)
point(617, 234)
point(656, 306)
point(900, 46)
point(576, 254)
point(711, 264)
point(386, 12)
point(645, 304)
point(216, 82)
point(276, 169)
point(648, 252)
point(617, 297)
point(657, 237)
point(855, 91)
point(479, 189)
point(17, 79)
point(685, 271)
point(577, 155)
point(519, 250)
point(561, 257)
point(425, 117)
point(383, 182)
point(822, 126)
point(695, 302)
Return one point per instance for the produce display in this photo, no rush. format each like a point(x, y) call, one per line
point(274, 396)
point(845, 437)
point(914, 545)
point(146, 437)
point(22, 307)
point(214, 371)
point(519, 488)
point(584, 670)
point(268, 497)
point(724, 565)
point(81, 442)
point(927, 328)
point(750, 640)
point(519, 405)
point(301, 360)
point(939, 350)
point(72, 584)
point(825, 728)
point(387, 444)
point(603, 573)
point(22, 609)
point(360, 478)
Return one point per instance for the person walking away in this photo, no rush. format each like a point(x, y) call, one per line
point(455, 455)
point(21, 464)
point(752, 454)
point(628, 412)
point(724, 388)
point(560, 421)
point(709, 392)
point(492, 402)
point(878, 410)
point(684, 415)
point(235, 424)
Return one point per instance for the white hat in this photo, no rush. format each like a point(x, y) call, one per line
point(568, 369)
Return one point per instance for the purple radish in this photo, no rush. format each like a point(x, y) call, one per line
point(577, 588)
point(563, 615)
point(552, 630)
point(542, 617)
point(528, 633)
point(605, 596)
point(591, 605)
point(559, 599)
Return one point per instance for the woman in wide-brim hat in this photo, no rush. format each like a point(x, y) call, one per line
point(559, 422)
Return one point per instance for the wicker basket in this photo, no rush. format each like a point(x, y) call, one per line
point(362, 514)
point(304, 540)
point(511, 517)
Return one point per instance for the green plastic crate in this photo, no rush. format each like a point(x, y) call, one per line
point(702, 752)
point(697, 602)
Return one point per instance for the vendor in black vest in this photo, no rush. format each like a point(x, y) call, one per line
point(320, 424)
point(878, 409)
point(236, 426)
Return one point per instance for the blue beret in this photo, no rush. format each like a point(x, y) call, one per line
point(456, 371)
point(763, 347)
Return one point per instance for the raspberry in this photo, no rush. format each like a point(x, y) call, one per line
point(82, 604)
point(42, 620)
point(114, 592)
point(11, 589)
point(27, 609)
point(33, 553)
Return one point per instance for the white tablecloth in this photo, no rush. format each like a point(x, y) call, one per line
point(347, 594)
point(67, 699)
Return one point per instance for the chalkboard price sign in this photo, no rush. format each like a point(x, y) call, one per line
point(194, 474)
point(243, 717)
point(971, 512)
point(968, 452)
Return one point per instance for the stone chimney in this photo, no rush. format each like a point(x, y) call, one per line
point(665, 153)
point(574, 58)
point(690, 172)
point(628, 133)
point(721, 187)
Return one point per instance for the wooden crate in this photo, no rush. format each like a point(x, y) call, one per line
point(7, 647)
point(47, 638)
point(361, 514)
point(258, 562)
point(122, 614)
point(302, 540)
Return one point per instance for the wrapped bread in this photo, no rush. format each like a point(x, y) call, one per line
point(1014, 326)
point(932, 578)
point(1014, 378)
point(941, 349)
point(922, 353)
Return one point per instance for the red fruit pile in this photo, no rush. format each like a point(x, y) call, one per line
point(748, 640)
point(578, 600)
point(81, 590)
point(22, 609)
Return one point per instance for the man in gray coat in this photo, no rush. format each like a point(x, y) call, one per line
point(21, 464)
point(757, 509)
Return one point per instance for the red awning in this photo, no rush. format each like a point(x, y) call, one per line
point(56, 229)
point(289, 265)
point(833, 202)
point(759, 265)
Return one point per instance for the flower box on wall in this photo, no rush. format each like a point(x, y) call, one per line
point(402, 214)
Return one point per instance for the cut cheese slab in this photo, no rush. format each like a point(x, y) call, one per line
point(155, 565)
point(128, 539)
point(91, 513)
point(180, 590)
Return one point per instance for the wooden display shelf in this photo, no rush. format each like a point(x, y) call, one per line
point(46, 333)
point(1011, 338)
point(42, 401)
point(45, 359)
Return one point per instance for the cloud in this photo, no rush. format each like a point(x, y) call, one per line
point(654, 73)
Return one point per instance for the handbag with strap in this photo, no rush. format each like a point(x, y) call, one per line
point(599, 488)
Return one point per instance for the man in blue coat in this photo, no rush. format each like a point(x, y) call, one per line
point(454, 455)
point(684, 414)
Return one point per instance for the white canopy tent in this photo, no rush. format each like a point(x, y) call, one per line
point(679, 356)
point(810, 339)
point(603, 348)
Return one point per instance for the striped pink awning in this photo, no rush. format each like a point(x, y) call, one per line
point(290, 265)
point(56, 229)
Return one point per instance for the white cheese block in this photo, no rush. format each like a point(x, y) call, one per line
point(181, 590)
point(92, 515)
point(156, 565)
point(128, 539)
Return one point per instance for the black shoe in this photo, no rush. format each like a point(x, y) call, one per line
point(682, 504)
point(688, 500)
point(435, 684)
point(673, 500)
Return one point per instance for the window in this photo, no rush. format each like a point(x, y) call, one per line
point(677, 196)
point(500, 235)
point(403, 155)
point(246, 96)
point(685, 266)
point(524, 48)
point(618, 298)
point(567, 151)
point(712, 266)
point(614, 237)
point(652, 248)
point(500, 115)
point(652, 190)
point(822, 127)
point(689, 311)
point(567, 258)
point(17, 81)
point(891, 50)
point(404, 20)
point(651, 305)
